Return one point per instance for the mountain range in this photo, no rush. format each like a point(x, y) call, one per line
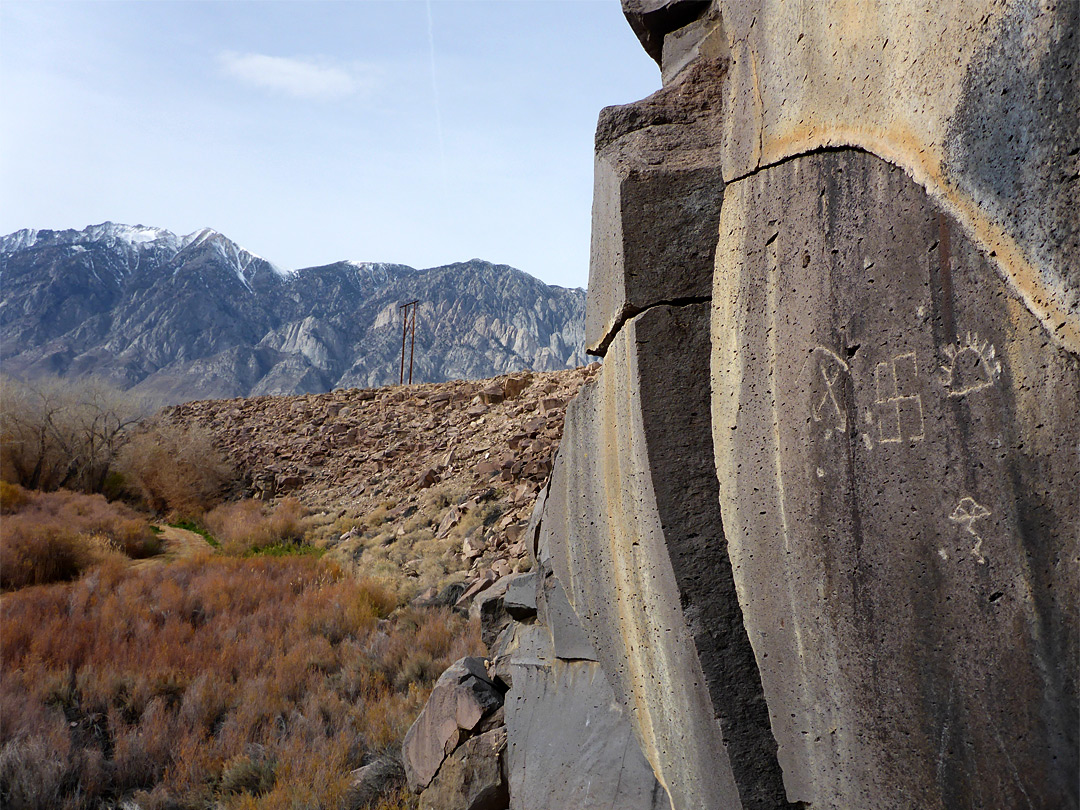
point(176, 318)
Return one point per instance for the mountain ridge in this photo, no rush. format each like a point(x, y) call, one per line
point(193, 317)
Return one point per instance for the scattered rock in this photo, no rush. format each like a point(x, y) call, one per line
point(427, 478)
point(514, 386)
point(485, 580)
point(493, 394)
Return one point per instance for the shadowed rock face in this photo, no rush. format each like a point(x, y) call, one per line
point(818, 514)
point(896, 446)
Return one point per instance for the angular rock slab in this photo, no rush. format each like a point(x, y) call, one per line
point(569, 638)
point(462, 696)
point(657, 191)
point(569, 744)
point(633, 531)
point(471, 778)
point(895, 437)
point(520, 599)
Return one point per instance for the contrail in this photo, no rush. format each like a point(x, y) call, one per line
point(435, 93)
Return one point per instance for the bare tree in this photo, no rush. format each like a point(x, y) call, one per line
point(55, 433)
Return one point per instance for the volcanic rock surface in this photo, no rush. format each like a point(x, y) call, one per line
point(815, 522)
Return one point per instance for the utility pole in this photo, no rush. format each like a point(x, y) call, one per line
point(404, 333)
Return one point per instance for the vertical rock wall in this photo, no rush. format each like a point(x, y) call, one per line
point(819, 516)
point(896, 442)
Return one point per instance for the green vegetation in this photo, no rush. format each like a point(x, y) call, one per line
point(192, 526)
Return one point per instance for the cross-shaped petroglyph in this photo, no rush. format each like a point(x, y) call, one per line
point(972, 366)
point(824, 406)
point(898, 404)
point(966, 513)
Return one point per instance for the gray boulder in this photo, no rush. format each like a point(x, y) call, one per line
point(472, 777)
point(462, 696)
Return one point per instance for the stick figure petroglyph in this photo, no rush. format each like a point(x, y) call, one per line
point(825, 407)
point(966, 513)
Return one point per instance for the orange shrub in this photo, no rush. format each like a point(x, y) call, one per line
point(12, 498)
point(247, 525)
point(53, 536)
point(238, 682)
point(35, 555)
point(175, 469)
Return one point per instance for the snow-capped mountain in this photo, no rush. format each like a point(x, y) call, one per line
point(198, 316)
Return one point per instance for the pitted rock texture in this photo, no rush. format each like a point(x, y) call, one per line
point(657, 172)
point(882, 610)
point(977, 100)
point(569, 743)
point(896, 448)
point(631, 527)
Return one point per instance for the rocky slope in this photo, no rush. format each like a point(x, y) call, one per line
point(180, 318)
point(438, 480)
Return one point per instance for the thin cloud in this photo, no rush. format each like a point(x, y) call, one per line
point(299, 78)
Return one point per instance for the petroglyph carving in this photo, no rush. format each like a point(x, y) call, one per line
point(898, 403)
point(966, 513)
point(826, 387)
point(972, 366)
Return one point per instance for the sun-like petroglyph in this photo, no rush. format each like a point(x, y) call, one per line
point(966, 513)
point(898, 405)
point(826, 387)
point(972, 366)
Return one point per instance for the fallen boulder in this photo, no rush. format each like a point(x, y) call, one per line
point(462, 696)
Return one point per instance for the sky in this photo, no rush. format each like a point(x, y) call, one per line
point(313, 131)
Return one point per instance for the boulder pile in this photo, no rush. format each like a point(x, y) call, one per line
point(435, 456)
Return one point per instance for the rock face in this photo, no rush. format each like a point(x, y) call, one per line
point(570, 743)
point(182, 318)
point(816, 520)
point(900, 493)
point(460, 699)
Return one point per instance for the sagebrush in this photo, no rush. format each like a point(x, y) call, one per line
point(55, 536)
point(224, 682)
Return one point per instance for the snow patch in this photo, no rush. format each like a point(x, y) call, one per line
point(20, 240)
point(133, 235)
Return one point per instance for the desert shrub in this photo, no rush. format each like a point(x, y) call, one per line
point(231, 682)
point(55, 536)
point(248, 774)
point(12, 498)
point(56, 433)
point(36, 555)
point(175, 469)
point(249, 526)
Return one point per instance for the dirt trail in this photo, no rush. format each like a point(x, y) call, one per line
point(177, 544)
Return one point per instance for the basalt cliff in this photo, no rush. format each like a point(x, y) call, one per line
point(811, 536)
